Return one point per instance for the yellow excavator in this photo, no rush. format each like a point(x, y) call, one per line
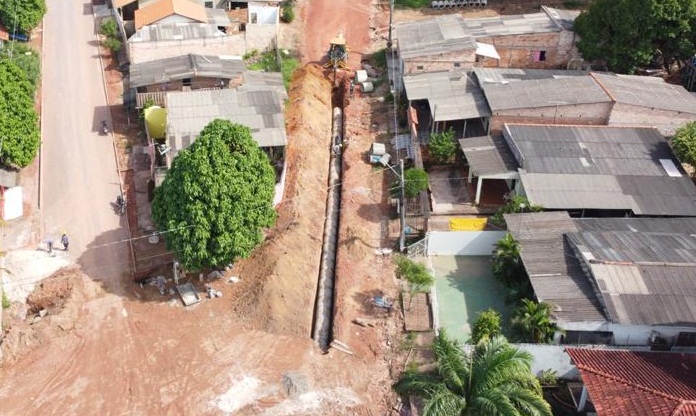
point(338, 53)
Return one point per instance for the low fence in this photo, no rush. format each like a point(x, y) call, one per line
point(463, 243)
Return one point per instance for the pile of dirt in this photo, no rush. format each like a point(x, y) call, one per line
point(51, 294)
point(279, 280)
point(50, 311)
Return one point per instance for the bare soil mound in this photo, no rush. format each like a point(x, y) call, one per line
point(279, 280)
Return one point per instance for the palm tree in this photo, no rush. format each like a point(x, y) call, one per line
point(493, 379)
point(508, 269)
point(534, 320)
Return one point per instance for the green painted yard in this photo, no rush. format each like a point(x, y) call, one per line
point(465, 286)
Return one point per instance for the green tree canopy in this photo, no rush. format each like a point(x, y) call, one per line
point(217, 197)
point(442, 146)
point(629, 33)
point(684, 143)
point(26, 58)
point(19, 127)
point(487, 326)
point(494, 379)
point(415, 181)
point(25, 15)
point(533, 321)
point(514, 204)
point(417, 276)
point(508, 268)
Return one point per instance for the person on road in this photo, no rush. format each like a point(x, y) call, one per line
point(64, 241)
point(49, 246)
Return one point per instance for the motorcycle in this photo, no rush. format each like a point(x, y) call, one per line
point(104, 128)
point(120, 204)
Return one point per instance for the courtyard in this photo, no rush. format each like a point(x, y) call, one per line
point(464, 287)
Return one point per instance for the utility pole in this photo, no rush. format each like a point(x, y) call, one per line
point(402, 205)
point(391, 12)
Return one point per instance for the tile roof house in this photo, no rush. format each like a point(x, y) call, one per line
point(636, 383)
point(621, 281)
point(170, 11)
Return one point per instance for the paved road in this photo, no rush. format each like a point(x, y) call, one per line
point(79, 175)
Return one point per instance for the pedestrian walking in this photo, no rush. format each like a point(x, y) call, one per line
point(64, 241)
point(49, 246)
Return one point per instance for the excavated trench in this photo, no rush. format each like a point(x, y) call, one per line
point(323, 311)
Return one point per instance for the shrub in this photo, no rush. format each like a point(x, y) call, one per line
point(442, 146)
point(548, 377)
point(287, 14)
point(114, 45)
point(487, 326)
point(415, 181)
point(5, 300)
point(515, 204)
point(109, 29)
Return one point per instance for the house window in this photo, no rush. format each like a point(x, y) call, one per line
point(419, 67)
point(457, 64)
point(186, 82)
point(686, 339)
point(209, 4)
point(254, 18)
point(539, 56)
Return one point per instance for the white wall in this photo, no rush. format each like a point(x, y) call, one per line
point(628, 334)
point(547, 357)
point(463, 243)
point(264, 15)
point(12, 203)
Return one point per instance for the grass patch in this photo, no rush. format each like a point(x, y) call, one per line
point(5, 300)
point(268, 61)
point(412, 4)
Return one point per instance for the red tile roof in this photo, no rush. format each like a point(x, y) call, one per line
point(638, 383)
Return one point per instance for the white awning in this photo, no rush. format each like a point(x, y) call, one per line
point(486, 49)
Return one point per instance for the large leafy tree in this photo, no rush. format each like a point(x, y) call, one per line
point(217, 197)
point(26, 58)
point(629, 33)
point(493, 379)
point(684, 143)
point(533, 320)
point(417, 276)
point(25, 15)
point(19, 128)
point(442, 146)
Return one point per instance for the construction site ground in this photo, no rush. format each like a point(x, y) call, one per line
point(81, 347)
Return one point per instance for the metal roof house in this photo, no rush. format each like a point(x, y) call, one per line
point(647, 101)
point(258, 107)
point(161, 41)
point(620, 382)
point(620, 281)
point(153, 79)
point(537, 40)
point(614, 171)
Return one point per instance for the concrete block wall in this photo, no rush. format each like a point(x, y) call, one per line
point(667, 122)
point(440, 62)
point(518, 51)
point(581, 114)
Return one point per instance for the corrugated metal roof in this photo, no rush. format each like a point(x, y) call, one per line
point(176, 31)
point(549, 92)
point(488, 155)
point(260, 110)
point(507, 75)
point(573, 167)
point(643, 269)
point(548, 20)
point(451, 95)
point(187, 66)
point(649, 92)
point(442, 34)
point(553, 269)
